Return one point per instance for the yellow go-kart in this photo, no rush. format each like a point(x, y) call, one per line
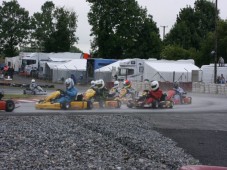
point(90, 95)
point(48, 103)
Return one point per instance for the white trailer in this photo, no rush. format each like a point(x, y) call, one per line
point(132, 70)
point(208, 73)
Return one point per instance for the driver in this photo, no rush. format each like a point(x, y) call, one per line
point(69, 94)
point(61, 96)
point(34, 86)
point(178, 90)
point(154, 94)
point(101, 92)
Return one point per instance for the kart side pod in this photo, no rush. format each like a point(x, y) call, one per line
point(74, 105)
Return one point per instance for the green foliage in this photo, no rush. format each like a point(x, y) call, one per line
point(14, 27)
point(195, 29)
point(174, 52)
point(74, 49)
point(122, 29)
point(54, 28)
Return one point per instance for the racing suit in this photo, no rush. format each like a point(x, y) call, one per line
point(34, 86)
point(154, 95)
point(101, 95)
point(68, 96)
point(179, 91)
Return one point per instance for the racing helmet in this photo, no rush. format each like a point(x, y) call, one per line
point(154, 85)
point(116, 84)
point(33, 81)
point(176, 84)
point(127, 84)
point(69, 83)
point(92, 83)
point(100, 84)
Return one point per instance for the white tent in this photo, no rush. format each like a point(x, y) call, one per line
point(75, 64)
point(164, 70)
point(75, 68)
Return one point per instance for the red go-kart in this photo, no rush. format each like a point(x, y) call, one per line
point(172, 95)
point(7, 105)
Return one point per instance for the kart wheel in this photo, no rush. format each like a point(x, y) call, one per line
point(89, 105)
point(171, 104)
point(190, 100)
point(34, 93)
point(24, 91)
point(129, 105)
point(155, 104)
point(65, 106)
point(10, 106)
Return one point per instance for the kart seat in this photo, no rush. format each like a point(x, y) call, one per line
point(79, 97)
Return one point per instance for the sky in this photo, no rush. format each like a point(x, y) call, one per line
point(164, 13)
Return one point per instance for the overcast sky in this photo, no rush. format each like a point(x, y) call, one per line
point(164, 13)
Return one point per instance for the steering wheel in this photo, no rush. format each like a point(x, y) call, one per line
point(61, 91)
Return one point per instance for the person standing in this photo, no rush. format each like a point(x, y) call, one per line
point(222, 79)
point(221, 62)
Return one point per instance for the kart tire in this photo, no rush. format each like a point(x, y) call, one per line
point(34, 92)
point(10, 106)
point(65, 106)
point(155, 104)
point(171, 104)
point(190, 100)
point(24, 92)
point(129, 105)
point(118, 104)
point(89, 105)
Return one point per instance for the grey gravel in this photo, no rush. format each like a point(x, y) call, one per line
point(86, 142)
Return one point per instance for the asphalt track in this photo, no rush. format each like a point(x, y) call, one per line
point(200, 128)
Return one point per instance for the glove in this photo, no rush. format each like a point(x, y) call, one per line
point(61, 91)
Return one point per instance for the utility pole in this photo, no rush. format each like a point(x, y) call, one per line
point(216, 42)
point(164, 28)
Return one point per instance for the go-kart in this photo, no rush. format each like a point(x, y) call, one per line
point(172, 95)
point(35, 91)
point(140, 102)
point(125, 95)
point(91, 95)
point(48, 102)
point(7, 105)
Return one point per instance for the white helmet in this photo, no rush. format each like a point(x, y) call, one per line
point(92, 83)
point(33, 80)
point(69, 83)
point(100, 84)
point(116, 84)
point(154, 85)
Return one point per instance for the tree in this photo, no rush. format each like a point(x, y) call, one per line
point(122, 29)
point(14, 27)
point(54, 28)
point(192, 27)
point(208, 44)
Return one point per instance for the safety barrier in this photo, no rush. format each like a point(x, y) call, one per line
point(209, 88)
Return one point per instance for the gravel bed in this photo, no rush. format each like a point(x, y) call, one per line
point(86, 142)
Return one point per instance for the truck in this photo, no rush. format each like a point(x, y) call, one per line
point(33, 64)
